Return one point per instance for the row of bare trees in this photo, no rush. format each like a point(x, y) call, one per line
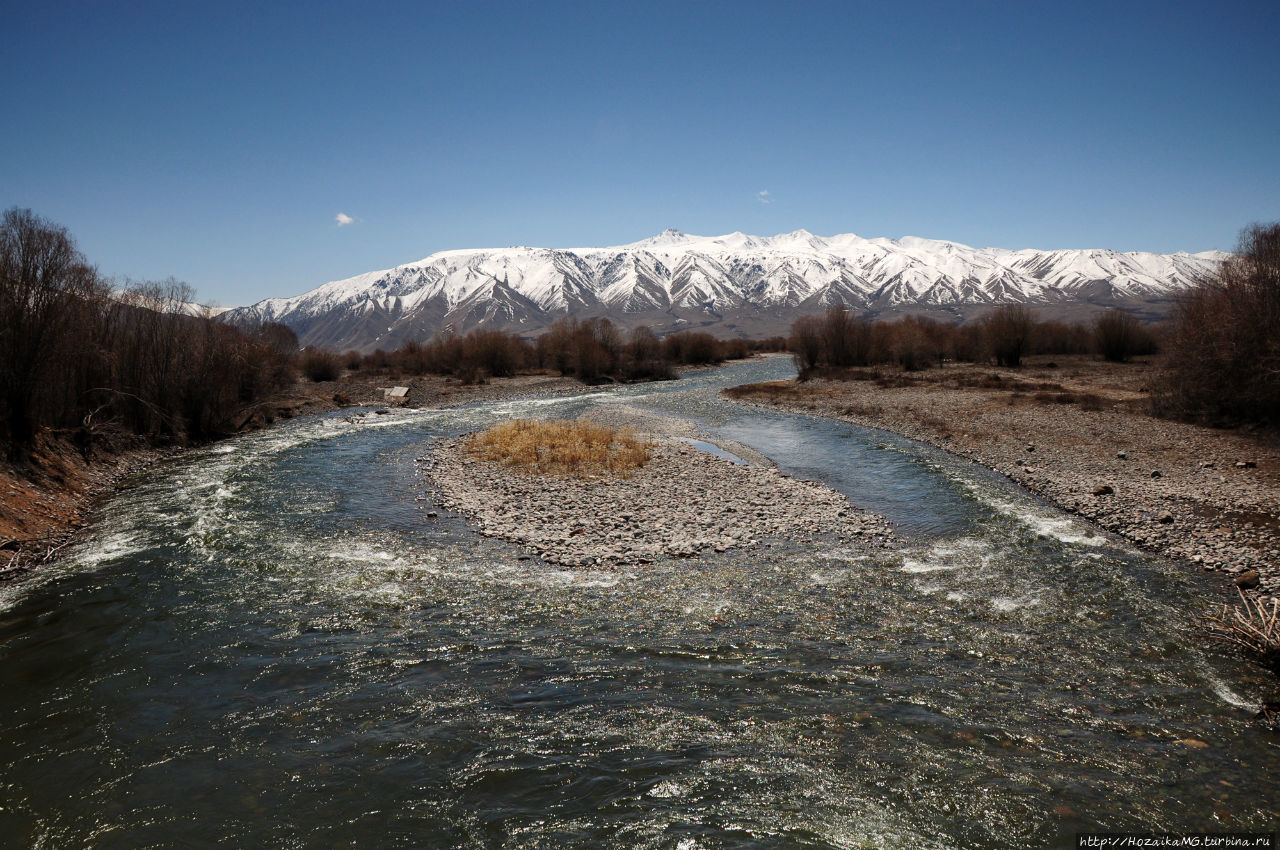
point(594, 351)
point(840, 339)
point(75, 355)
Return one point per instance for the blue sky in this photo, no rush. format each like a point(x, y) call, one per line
point(218, 143)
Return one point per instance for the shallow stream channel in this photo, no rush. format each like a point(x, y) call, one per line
point(273, 642)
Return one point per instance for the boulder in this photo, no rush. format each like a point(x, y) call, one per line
point(1103, 490)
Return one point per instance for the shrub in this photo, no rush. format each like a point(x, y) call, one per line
point(1223, 357)
point(561, 447)
point(320, 365)
point(1007, 331)
point(846, 339)
point(1060, 338)
point(1119, 336)
point(806, 344)
point(1250, 627)
point(692, 348)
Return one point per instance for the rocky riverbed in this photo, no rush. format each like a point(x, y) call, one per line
point(682, 502)
point(1206, 496)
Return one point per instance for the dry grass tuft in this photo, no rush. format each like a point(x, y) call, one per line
point(1251, 627)
point(561, 447)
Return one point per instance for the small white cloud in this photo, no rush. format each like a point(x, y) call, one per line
point(343, 219)
point(763, 197)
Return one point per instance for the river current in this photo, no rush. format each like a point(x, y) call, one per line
point(271, 643)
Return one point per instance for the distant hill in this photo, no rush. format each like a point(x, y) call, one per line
point(734, 285)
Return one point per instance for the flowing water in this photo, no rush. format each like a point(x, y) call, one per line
point(269, 643)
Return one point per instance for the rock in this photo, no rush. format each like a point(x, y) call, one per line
point(1194, 743)
point(341, 399)
point(1155, 473)
point(1247, 580)
point(1031, 447)
point(1165, 518)
point(1121, 455)
point(1246, 464)
point(1103, 490)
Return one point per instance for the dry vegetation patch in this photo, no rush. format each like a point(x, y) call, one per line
point(1251, 626)
point(561, 447)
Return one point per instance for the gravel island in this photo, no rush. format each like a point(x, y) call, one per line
point(682, 502)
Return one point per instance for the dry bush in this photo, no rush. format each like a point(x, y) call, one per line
point(846, 338)
point(988, 381)
point(1120, 336)
point(1052, 337)
point(1091, 401)
point(1223, 350)
point(694, 348)
point(320, 365)
point(561, 447)
point(1008, 331)
point(806, 345)
point(767, 389)
point(1250, 627)
point(870, 411)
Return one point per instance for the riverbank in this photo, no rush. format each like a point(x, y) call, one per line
point(1076, 432)
point(683, 502)
point(48, 498)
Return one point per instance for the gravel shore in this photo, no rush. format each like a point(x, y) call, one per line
point(682, 502)
point(1186, 492)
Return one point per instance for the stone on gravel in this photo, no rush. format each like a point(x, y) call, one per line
point(1247, 580)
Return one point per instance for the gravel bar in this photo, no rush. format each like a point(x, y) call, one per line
point(682, 502)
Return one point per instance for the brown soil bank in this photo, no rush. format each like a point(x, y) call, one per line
point(48, 496)
point(1076, 432)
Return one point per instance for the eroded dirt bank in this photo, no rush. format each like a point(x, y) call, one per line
point(1077, 434)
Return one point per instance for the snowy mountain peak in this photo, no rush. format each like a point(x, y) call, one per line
point(670, 236)
point(740, 283)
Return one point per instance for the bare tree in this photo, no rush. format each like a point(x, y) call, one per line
point(45, 284)
point(1008, 332)
point(1223, 358)
point(1119, 336)
point(806, 344)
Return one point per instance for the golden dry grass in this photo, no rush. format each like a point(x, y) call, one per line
point(561, 447)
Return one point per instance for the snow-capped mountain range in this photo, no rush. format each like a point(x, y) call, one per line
point(732, 285)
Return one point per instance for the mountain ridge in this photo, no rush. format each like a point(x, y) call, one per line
point(735, 284)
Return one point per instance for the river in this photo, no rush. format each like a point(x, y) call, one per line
point(271, 643)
